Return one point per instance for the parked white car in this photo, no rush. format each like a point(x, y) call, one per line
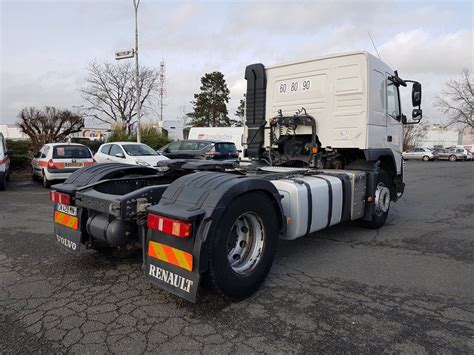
point(57, 161)
point(128, 153)
point(4, 163)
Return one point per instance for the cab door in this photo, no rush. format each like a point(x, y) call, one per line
point(394, 121)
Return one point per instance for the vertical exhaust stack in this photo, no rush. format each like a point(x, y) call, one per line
point(255, 110)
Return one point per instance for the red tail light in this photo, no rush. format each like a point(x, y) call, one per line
point(58, 197)
point(171, 226)
point(51, 164)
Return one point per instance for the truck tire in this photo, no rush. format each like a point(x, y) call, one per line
point(3, 181)
point(244, 246)
point(381, 201)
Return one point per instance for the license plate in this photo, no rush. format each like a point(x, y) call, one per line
point(74, 165)
point(70, 210)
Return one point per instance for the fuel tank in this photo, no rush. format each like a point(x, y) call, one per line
point(311, 202)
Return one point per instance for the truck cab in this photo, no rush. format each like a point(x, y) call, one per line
point(354, 99)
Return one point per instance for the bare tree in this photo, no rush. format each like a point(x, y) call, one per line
point(413, 134)
point(110, 91)
point(48, 125)
point(457, 100)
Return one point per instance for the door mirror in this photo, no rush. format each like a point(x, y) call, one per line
point(416, 95)
point(120, 155)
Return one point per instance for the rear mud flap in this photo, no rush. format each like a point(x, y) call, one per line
point(69, 239)
point(174, 279)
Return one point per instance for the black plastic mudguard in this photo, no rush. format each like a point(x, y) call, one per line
point(200, 198)
point(95, 173)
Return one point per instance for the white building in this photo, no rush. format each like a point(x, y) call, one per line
point(11, 131)
point(439, 136)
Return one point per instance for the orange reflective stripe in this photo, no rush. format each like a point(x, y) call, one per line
point(170, 255)
point(43, 163)
point(66, 220)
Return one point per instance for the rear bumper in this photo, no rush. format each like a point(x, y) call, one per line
point(62, 171)
point(58, 174)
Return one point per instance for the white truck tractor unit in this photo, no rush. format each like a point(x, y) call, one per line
point(324, 137)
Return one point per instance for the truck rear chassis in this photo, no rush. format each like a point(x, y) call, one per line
point(179, 216)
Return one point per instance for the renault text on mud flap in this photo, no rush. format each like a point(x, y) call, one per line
point(170, 278)
point(66, 242)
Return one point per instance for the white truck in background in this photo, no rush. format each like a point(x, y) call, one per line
point(227, 134)
point(324, 139)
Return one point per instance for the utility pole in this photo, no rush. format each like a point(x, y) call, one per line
point(162, 82)
point(137, 73)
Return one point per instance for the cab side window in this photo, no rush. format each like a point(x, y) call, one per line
point(393, 102)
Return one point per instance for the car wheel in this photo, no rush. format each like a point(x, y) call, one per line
point(426, 158)
point(381, 203)
point(46, 182)
point(452, 158)
point(244, 246)
point(34, 177)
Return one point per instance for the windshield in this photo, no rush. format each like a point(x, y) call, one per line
point(71, 152)
point(137, 150)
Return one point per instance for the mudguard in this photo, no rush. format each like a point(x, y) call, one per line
point(200, 198)
point(95, 173)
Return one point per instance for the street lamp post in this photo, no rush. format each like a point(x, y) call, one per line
point(137, 72)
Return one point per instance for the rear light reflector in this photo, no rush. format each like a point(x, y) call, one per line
point(167, 225)
point(58, 197)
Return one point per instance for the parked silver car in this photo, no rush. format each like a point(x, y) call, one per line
point(452, 154)
point(424, 154)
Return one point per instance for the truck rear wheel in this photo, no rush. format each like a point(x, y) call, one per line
point(244, 246)
point(381, 202)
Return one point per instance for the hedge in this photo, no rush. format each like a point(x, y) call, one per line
point(22, 153)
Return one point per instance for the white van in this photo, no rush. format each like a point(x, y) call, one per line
point(227, 134)
point(4, 163)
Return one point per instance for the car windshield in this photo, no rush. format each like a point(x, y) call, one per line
point(136, 150)
point(71, 152)
point(225, 147)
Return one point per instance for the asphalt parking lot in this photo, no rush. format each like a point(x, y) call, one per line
point(408, 287)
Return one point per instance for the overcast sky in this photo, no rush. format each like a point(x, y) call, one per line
point(46, 45)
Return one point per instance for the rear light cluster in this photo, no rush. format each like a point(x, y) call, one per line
point(167, 225)
point(58, 197)
point(51, 164)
